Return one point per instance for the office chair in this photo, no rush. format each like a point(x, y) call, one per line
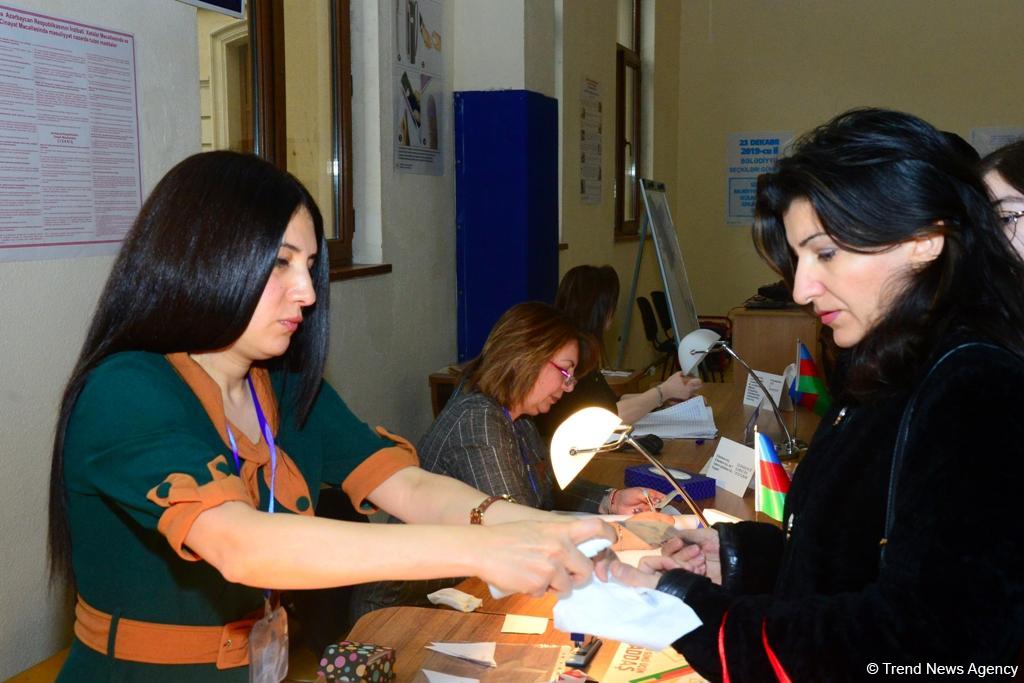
point(660, 303)
point(666, 347)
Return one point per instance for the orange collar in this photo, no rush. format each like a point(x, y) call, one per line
point(290, 488)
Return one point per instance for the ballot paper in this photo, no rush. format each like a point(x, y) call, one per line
point(478, 653)
point(641, 616)
point(691, 419)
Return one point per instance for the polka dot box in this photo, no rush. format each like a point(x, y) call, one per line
point(349, 662)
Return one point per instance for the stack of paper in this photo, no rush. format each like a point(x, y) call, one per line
point(687, 420)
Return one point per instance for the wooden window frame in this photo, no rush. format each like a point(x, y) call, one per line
point(266, 28)
point(626, 58)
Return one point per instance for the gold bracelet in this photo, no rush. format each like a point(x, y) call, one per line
point(476, 515)
point(661, 396)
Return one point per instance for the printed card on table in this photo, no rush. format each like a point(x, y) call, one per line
point(732, 466)
point(752, 394)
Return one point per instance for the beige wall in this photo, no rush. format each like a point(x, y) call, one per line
point(749, 65)
point(45, 309)
point(588, 51)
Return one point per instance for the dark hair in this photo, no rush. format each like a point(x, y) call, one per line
point(188, 278)
point(588, 295)
point(1007, 161)
point(877, 178)
point(525, 337)
point(962, 147)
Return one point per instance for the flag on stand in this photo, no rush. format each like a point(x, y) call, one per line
point(809, 388)
point(772, 482)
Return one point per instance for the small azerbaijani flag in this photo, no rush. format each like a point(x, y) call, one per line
point(809, 388)
point(772, 482)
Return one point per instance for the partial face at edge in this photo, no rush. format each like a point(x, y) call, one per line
point(1008, 199)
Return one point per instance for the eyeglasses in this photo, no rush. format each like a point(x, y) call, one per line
point(1009, 220)
point(568, 381)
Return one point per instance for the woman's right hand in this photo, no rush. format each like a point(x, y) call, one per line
point(534, 557)
point(680, 548)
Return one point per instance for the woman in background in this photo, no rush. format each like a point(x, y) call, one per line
point(881, 225)
point(485, 436)
point(197, 408)
point(1004, 176)
point(588, 296)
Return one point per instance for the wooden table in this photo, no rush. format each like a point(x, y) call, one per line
point(408, 629)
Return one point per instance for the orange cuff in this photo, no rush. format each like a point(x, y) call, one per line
point(377, 468)
point(184, 500)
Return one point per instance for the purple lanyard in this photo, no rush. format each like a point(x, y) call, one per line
point(267, 434)
point(522, 454)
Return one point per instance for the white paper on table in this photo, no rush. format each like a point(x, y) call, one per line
point(456, 599)
point(732, 466)
point(521, 623)
point(715, 516)
point(752, 394)
point(692, 419)
point(478, 653)
point(644, 617)
point(438, 677)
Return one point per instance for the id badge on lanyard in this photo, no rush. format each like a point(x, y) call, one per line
point(268, 639)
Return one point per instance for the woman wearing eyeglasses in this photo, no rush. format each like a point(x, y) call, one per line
point(485, 436)
point(1004, 176)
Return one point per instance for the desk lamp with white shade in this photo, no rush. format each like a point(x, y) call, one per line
point(697, 344)
point(590, 431)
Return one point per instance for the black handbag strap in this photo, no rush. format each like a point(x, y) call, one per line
point(901, 442)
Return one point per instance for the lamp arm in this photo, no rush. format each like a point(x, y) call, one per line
point(771, 401)
point(671, 480)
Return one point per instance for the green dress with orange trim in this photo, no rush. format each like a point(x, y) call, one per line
point(142, 458)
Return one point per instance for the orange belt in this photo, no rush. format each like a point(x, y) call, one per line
point(226, 646)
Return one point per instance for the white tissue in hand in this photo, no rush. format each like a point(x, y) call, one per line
point(454, 598)
point(639, 616)
point(589, 547)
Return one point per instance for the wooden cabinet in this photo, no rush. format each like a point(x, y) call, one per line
point(766, 338)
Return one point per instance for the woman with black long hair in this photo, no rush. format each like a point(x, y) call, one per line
point(197, 407)
point(901, 545)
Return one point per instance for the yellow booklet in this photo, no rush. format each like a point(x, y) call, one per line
point(632, 664)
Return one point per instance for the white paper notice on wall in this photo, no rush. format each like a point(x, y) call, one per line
point(747, 156)
point(752, 394)
point(732, 466)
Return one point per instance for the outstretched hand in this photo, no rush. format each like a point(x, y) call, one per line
point(649, 571)
point(534, 557)
point(680, 387)
point(703, 540)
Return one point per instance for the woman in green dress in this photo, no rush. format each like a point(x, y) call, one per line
point(196, 430)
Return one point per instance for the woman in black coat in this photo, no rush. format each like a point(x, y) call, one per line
point(902, 548)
